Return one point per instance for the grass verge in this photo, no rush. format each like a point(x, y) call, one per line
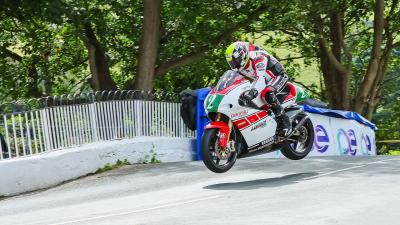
point(109, 166)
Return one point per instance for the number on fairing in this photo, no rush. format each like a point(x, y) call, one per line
point(211, 101)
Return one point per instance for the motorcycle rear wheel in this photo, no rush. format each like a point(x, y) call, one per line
point(212, 160)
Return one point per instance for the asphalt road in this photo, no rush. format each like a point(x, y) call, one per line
point(329, 190)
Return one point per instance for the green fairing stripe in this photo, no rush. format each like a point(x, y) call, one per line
point(212, 102)
point(301, 94)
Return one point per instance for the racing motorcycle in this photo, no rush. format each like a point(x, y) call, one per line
point(246, 127)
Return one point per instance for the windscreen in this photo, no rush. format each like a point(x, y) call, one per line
point(228, 79)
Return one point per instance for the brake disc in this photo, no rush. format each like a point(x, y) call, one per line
point(225, 152)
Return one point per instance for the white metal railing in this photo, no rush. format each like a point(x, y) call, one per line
point(69, 125)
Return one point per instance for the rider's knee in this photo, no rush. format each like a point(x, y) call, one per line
point(269, 95)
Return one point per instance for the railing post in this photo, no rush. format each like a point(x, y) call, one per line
point(138, 114)
point(93, 120)
point(45, 125)
point(7, 136)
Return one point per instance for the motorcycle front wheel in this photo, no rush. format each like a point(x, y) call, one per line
point(215, 158)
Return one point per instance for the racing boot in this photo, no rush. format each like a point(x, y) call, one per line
point(283, 121)
point(284, 124)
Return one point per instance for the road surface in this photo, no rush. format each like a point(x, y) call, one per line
point(328, 190)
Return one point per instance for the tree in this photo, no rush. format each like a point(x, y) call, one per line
point(192, 29)
point(60, 45)
point(33, 43)
point(187, 31)
point(84, 16)
point(336, 31)
point(377, 66)
point(101, 79)
point(149, 44)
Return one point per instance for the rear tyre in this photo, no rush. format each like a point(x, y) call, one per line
point(211, 153)
point(301, 142)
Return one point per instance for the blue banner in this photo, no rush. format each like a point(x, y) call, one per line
point(340, 114)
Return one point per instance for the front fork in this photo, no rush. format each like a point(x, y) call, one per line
point(224, 130)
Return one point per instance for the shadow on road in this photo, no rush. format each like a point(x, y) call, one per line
point(262, 183)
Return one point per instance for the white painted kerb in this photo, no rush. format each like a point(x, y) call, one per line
point(51, 168)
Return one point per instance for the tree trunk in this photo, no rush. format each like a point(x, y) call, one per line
point(338, 45)
point(373, 65)
point(101, 79)
point(149, 45)
point(336, 76)
point(376, 89)
point(34, 82)
point(371, 106)
point(335, 36)
point(329, 74)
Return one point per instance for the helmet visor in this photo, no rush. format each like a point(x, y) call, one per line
point(235, 63)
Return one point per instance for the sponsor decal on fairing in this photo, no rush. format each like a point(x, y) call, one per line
point(259, 125)
point(261, 145)
point(240, 114)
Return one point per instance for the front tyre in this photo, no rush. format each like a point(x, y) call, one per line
point(216, 159)
point(301, 142)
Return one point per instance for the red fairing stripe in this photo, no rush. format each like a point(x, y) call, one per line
point(262, 114)
point(246, 122)
point(252, 119)
point(224, 91)
point(240, 124)
point(223, 132)
point(234, 85)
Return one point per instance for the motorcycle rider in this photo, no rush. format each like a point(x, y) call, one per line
point(259, 66)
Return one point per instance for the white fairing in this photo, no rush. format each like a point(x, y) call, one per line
point(257, 134)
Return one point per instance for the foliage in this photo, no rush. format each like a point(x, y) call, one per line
point(306, 23)
point(150, 159)
point(48, 35)
point(388, 113)
point(203, 73)
point(394, 152)
point(42, 51)
point(385, 149)
point(109, 166)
